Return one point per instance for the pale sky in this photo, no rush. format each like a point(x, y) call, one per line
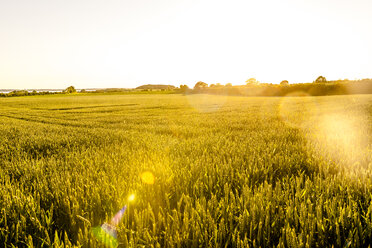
point(112, 43)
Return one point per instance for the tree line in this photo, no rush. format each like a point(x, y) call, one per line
point(319, 87)
point(68, 90)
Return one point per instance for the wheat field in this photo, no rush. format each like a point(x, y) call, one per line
point(227, 171)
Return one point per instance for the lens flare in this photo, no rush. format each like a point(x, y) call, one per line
point(341, 136)
point(147, 177)
point(206, 103)
point(297, 109)
point(116, 219)
point(107, 233)
point(131, 197)
point(108, 238)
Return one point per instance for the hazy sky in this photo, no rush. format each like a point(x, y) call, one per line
point(112, 43)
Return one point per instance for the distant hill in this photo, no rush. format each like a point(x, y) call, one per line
point(156, 87)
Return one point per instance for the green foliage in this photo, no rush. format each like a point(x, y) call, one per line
point(339, 87)
point(18, 93)
point(70, 89)
point(200, 85)
point(237, 176)
point(184, 88)
point(320, 79)
point(252, 81)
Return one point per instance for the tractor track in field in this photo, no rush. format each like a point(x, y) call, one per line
point(87, 107)
point(44, 122)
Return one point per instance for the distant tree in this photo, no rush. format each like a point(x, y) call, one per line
point(284, 82)
point(228, 85)
point(83, 91)
point(212, 85)
point(184, 88)
point(200, 85)
point(251, 81)
point(70, 89)
point(321, 79)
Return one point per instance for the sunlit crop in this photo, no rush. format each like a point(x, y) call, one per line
point(194, 171)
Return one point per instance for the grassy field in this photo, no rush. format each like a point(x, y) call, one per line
point(229, 171)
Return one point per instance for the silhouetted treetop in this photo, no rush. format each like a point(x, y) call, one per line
point(200, 84)
point(321, 79)
point(252, 81)
point(70, 89)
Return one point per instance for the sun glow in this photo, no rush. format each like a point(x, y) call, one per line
point(342, 138)
point(127, 43)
